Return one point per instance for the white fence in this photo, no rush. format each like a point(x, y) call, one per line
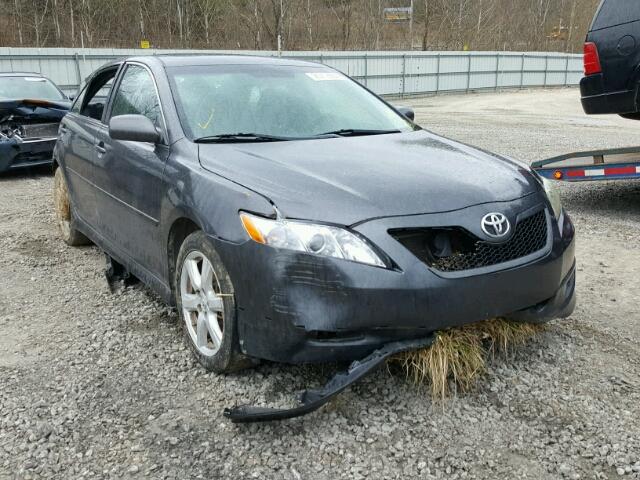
point(386, 73)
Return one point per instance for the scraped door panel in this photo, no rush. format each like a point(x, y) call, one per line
point(78, 140)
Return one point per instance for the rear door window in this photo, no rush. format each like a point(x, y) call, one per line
point(77, 103)
point(96, 94)
point(616, 12)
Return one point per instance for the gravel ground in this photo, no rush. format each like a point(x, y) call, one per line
point(100, 385)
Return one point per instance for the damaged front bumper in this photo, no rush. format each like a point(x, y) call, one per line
point(16, 153)
point(28, 132)
point(299, 308)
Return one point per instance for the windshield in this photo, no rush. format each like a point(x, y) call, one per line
point(276, 100)
point(28, 87)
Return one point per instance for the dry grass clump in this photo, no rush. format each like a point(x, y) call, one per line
point(459, 355)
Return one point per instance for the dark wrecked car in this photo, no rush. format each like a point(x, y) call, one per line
point(292, 215)
point(31, 107)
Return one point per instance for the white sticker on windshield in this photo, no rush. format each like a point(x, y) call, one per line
point(35, 79)
point(324, 76)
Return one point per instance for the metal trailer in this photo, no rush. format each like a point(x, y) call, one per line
point(612, 164)
point(615, 163)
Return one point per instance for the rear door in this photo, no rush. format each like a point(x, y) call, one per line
point(131, 174)
point(77, 143)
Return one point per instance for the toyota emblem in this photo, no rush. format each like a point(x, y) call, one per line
point(495, 225)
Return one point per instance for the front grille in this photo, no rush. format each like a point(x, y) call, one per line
point(455, 249)
point(25, 158)
point(40, 130)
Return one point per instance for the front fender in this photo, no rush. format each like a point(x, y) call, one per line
point(208, 200)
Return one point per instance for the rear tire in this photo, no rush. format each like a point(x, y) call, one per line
point(64, 214)
point(206, 306)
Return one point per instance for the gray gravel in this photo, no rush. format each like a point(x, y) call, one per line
point(100, 385)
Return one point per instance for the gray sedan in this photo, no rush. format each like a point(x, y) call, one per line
point(292, 215)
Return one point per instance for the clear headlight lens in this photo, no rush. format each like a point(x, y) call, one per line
point(553, 195)
point(307, 237)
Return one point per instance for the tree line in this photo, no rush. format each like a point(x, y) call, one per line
point(523, 25)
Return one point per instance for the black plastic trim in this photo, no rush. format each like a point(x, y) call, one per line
point(311, 400)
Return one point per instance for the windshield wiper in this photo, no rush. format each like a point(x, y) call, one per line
point(355, 132)
point(241, 137)
point(261, 137)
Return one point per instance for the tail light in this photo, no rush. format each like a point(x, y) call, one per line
point(591, 59)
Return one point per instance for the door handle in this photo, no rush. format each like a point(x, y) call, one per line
point(100, 148)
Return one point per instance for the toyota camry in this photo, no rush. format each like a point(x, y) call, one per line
point(292, 215)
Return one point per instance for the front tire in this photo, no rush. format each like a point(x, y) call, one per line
point(62, 206)
point(206, 306)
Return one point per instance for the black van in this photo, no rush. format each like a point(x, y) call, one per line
point(612, 60)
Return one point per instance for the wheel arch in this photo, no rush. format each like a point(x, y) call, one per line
point(208, 203)
point(634, 84)
point(55, 164)
point(180, 229)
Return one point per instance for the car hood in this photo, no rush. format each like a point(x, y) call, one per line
point(349, 180)
point(33, 109)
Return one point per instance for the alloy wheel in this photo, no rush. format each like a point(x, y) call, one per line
point(202, 303)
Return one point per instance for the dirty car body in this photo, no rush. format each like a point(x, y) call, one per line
point(425, 232)
point(31, 108)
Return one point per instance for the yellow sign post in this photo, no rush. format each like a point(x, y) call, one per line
point(145, 44)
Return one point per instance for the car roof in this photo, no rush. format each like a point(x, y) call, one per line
point(21, 74)
point(182, 60)
point(191, 60)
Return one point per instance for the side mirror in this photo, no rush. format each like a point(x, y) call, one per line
point(407, 112)
point(133, 128)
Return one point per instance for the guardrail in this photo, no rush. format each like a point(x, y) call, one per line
point(386, 73)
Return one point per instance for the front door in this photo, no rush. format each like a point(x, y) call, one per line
point(131, 174)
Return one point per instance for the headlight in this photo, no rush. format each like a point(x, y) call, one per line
point(307, 237)
point(553, 195)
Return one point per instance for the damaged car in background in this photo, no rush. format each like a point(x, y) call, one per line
point(292, 215)
point(31, 107)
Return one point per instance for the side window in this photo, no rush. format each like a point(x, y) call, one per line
point(136, 95)
point(616, 12)
point(75, 108)
point(96, 94)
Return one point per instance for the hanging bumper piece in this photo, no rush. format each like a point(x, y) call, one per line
point(311, 400)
